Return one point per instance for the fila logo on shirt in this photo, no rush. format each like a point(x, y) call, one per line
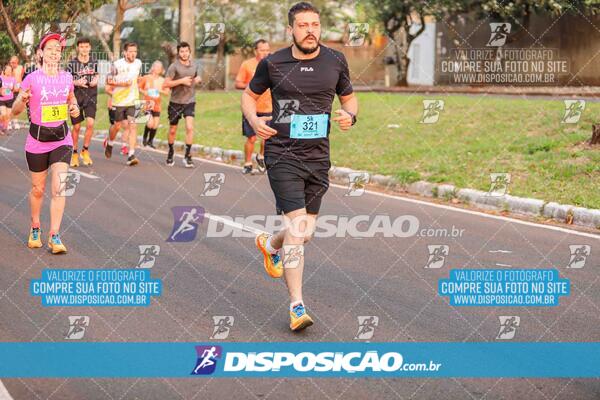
point(306, 69)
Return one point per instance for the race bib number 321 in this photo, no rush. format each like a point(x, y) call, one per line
point(309, 126)
point(54, 113)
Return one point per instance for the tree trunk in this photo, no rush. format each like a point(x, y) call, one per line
point(187, 24)
point(409, 38)
point(595, 134)
point(218, 79)
point(402, 59)
point(121, 5)
point(405, 61)
point(170, 51)
point(97, 32)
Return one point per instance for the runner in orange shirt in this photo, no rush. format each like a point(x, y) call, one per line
point(151, 86)
point(263, 105)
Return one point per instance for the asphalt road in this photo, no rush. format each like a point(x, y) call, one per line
point(116, 208)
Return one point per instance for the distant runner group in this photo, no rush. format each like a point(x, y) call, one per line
point(287, 102)
point(52, 96)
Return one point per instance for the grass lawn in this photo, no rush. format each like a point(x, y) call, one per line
point(475, 136)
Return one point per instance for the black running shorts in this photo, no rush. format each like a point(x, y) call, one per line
point(87, 109)
point(177, 111)
point(298, 184)
point(111, 115)
point(7, 103)
point(43, 161)
point(124, 113)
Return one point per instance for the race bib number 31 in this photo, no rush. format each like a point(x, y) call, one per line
point(309, 126)
point(54, 113)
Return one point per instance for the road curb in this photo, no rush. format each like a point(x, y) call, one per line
point(563, 213)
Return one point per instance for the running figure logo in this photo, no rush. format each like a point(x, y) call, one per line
point(223, 324)
point(431, 111)
point(77, 325)
point(186, 220)
point(148, 254)
point(357, 183)
point(286, 109)
point(142, 111)
point(573, 111)
point(579, 255)
point(499, 184)
point(437, 255)
point(357, 32)
point(212, 34)
point(212, 183)
point(207, 359)
point(292, 255)
point(68, 183)
point(508, 327)
point(366, 327)
point(500, 32)
point(55, 92)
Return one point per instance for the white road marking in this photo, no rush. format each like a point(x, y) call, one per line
point(4, 395)
point(503, 265)
point(500, 251)
point(415, 201)
point(6, 149)
point(84, 174)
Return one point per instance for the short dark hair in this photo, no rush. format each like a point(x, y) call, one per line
point(129, 44)
point(183, 45)
point(297, 8)
point(83, 40)
point(259, 41)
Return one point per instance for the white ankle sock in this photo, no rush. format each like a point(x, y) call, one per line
point(269, 247)
point(295, 303)
point(131, 152)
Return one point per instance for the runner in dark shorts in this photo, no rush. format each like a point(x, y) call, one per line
point(8, 87)
point(182, 78)
point(48, 147)
point(84, 69)
point(151, 86)
point(304, 80)
point(263, 107)
point(123, 80)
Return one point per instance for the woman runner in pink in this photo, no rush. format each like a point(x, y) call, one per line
point(7, 97)
point(49, 92)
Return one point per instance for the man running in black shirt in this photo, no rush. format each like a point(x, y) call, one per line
point(304, 80)
point(85, 78)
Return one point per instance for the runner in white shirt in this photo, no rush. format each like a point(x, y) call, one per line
point(124, 80)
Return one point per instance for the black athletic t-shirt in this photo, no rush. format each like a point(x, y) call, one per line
point(304, 87)
point(84, 70)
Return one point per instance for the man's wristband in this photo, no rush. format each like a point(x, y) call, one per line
point(353, 117)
